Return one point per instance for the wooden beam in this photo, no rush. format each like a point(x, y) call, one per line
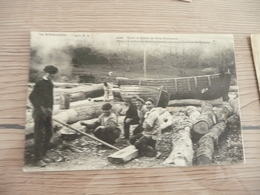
point(123, 155)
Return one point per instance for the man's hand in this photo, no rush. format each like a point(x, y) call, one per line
point(82, 123)
point(128, 120)
point(46, 111)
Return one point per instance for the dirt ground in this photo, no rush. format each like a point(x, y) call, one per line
point(86, 154)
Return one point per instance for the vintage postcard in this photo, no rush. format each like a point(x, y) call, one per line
point(255, 41)
point(130, 100)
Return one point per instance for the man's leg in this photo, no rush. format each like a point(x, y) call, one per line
point(98, 133)
point(48, 133)
point(134, 138)
point(144, 146)
point(127, 126)
point(138, 130)
point(126, 129)
point(112, 134)
point(38, 137)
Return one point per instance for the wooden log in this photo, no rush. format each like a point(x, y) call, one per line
point(194, 102)
point(82, 111)
point(66, 85)
point(234, 103)
point(65, 101)
point(206, 120)
point(80, 93)
point(205, 151)
point(233, 89)
point(123, 155)
point(182, 152)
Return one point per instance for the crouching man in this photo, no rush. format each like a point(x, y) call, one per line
point(145, 141)
point(106, 128)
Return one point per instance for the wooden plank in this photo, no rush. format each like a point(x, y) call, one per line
point(124, 155)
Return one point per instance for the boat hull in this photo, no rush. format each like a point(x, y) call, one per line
point(205, 87)
point(160, 96)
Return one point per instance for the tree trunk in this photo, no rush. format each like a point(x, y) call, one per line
point(205, 151)
point(206, 120)
point(182, 152)
point(85, 110)
point(81, 93)
point(194, 102)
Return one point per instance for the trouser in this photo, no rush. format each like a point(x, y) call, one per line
point(138, 129)
point(42, 133)
point(135, 121)
point(145, 145)
point(108, 134)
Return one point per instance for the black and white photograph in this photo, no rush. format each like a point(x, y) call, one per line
point(131, 100)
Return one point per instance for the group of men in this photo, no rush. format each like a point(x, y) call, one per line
point(140, 113)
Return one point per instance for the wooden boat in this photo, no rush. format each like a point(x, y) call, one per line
point(205, 87)
point(160, 96)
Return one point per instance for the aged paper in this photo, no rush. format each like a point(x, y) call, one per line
point(131, 100)
point(255, 41)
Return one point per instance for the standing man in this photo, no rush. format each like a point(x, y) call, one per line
point(145, 141)
point(42, 100)
point(108, 91)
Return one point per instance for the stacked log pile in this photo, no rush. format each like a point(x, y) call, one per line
point(207, 121)
point(83, 110)
point(188, 122)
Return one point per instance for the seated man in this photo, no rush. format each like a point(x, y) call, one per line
point(145, 141)
point(131, 117)
point(141, 110)
point(106, 128)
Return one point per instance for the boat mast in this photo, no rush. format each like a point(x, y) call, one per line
point(144, 62)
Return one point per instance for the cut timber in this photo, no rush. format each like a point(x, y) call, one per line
point(182, 152)
point(205, 151)
point(66, 85)
point(84, 111)
point(206, 143)
point(235, 105)
point(65, 101)
point(194, 102)
point(80, 93)
point(206, 120)
point(123, 155)
point(233, 89)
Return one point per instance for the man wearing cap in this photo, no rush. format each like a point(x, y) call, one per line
point(145, 141)
point(131, 117)
point(106, 128)
point(42, 100)
point(141, 110)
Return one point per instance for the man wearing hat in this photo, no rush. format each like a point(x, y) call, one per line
point(131, 117)
point(106, 128)
point(141, 110)
point(145, 141)
point(42, 100)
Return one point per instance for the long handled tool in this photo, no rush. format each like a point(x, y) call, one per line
point(83, 133)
